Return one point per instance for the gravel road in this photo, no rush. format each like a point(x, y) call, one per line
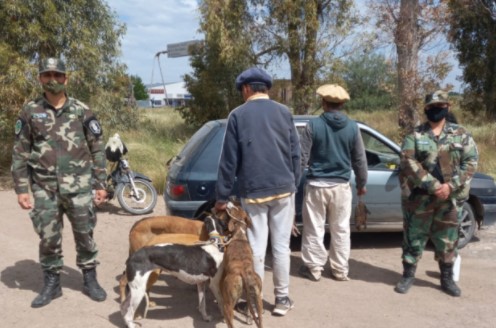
point(368, 300)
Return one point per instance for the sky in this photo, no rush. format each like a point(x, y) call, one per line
point(153, 24)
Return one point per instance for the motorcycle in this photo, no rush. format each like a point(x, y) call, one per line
point(134, 191)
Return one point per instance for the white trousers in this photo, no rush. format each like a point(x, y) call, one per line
point(274, 217)
point(331, 204)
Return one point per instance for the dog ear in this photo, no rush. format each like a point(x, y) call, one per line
point(231, 225)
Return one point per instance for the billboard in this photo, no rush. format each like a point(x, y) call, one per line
point(181, 49)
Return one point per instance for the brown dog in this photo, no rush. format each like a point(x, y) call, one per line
point(145, 229)
point(239, 275)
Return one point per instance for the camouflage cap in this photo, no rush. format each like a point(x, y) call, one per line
point(333, 93)
point(438, 97)
point(52, 65)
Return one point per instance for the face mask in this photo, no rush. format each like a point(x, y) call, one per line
point(436, 114)
point(54, 87)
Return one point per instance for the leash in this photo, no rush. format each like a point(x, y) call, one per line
point(233, 217)
point(232, 238)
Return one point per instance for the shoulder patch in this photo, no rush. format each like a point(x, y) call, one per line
point(19, 124)
point(93, 126)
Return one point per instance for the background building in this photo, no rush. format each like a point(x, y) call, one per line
point(174, 95)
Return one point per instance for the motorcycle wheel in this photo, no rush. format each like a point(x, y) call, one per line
point(143, 202)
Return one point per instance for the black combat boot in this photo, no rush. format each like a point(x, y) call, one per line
point(447, 283)
point(91, 286)
point(407, 279)
point(51, 290)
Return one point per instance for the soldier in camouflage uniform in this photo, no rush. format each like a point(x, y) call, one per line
point(59, 154)
point(438, 161)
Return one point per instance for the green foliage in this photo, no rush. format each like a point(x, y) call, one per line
point(159, 135)
point(370, 80)
point(217, 62)
point(85, 33)
point(114, 113)
point(243, 33)
point(139, 88)
point(212, 87)
point(303, 31)
point(473, 33)
point(15, 89)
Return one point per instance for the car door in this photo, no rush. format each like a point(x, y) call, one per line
point(383, 198)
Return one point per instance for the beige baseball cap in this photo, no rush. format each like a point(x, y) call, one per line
point(333, 93)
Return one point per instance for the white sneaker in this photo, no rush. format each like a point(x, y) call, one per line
point(283, 305)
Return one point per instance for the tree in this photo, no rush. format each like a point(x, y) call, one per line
point(139, 88)
point(239, 34)
point(413, 25)
point(371, 81)
point(84, 33)
point(407, 40)
point(303, 31)
point(473, 33)
point(225, 53)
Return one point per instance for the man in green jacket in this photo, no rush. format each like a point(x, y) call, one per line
point(59, 154)
point(332, 146)
point(438, 161)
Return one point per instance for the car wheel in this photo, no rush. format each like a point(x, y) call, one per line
point(467, 225)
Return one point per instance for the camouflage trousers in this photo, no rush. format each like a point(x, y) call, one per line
point(47, 219)
point(424, 217)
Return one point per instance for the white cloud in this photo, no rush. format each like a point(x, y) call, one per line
point(151, 26)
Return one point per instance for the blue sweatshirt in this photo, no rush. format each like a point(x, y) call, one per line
point(261, 148)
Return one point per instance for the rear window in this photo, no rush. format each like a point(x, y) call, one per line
point(196, 140)
point(208, 160)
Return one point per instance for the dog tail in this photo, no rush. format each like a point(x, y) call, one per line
point(252, 285)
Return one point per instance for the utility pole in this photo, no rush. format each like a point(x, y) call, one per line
point(157, 55)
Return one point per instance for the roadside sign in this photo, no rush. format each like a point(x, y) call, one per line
point(181, 49)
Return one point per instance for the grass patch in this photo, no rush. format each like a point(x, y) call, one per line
point(160, 136)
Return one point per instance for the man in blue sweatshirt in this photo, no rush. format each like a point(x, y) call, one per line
point(262, 150)
point(332, 146)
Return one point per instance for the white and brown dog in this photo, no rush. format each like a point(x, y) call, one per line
point(239, 276)
point(159, 230)
point(165, 229)
point(193, 264)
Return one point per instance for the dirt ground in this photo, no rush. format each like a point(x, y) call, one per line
point(368, 300)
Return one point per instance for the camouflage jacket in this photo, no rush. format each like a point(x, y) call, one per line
point(427, 161)
point(60, 150)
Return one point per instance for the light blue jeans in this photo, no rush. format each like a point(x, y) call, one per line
point(275, 217)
